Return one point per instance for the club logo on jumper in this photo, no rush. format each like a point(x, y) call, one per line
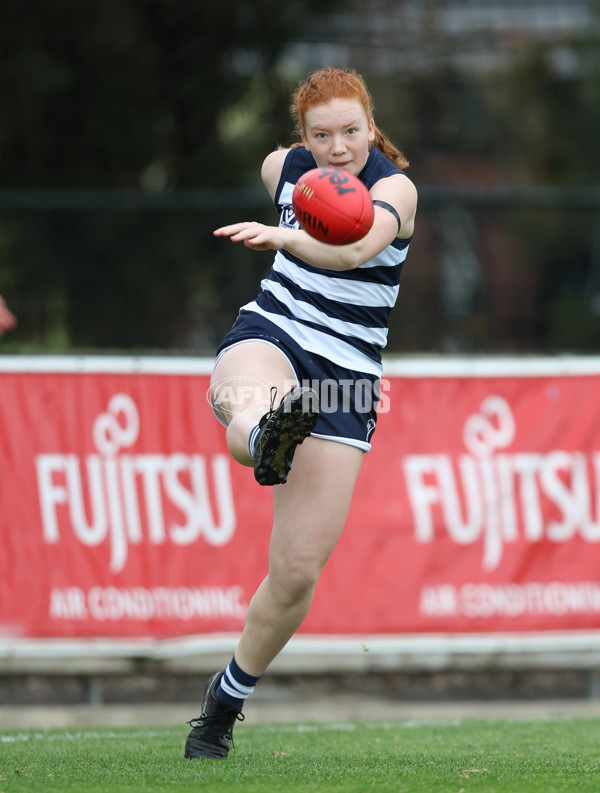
point(124, 499)
point(288, 218)
point(497, 497)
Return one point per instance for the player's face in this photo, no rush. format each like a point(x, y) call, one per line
point(338, 134)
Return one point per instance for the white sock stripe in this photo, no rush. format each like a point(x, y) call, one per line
point(252, 439)
point(235, 689)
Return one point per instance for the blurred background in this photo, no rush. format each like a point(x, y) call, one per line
point(131, 128)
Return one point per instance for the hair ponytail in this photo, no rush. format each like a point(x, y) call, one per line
point(385, 146)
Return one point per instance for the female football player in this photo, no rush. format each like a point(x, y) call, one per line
point(306, 354)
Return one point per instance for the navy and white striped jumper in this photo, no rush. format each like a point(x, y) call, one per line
point(340, 315)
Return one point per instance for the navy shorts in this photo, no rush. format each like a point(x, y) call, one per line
point(347, 399)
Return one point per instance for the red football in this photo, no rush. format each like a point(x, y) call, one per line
point(333, 206)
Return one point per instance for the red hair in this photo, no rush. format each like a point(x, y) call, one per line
point(326, 84)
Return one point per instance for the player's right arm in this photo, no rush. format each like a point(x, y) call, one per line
point(399, 193)
point(397, 190)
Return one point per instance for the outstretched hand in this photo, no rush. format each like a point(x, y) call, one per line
point(254, 235)
point(8, 321)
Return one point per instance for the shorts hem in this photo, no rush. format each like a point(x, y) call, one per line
point(362, 445)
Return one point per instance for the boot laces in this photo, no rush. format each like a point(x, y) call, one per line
point(271, 410)
point(217, 725)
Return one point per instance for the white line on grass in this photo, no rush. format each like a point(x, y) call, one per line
point(78, 736)
point(264, 728)
point(407, 724)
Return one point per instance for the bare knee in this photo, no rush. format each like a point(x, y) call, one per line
point(294, 579)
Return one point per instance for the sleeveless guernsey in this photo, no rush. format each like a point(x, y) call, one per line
point(340, 315)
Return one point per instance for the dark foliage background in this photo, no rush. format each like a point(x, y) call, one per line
point(131, 128)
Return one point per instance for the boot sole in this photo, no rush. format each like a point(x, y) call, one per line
point(287, 429)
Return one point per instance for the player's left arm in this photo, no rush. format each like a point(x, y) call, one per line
point(397, 195)
point(398, 192)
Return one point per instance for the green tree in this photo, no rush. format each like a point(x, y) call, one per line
point(160, 95)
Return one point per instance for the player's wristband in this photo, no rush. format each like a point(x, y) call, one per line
point(390, 208)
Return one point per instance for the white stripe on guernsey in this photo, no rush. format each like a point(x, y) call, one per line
point(285, 197)
point(329, 347)
point(356, 293)
point(388, 257)
point(303, 310)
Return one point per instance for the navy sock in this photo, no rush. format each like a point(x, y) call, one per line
point(236, 685)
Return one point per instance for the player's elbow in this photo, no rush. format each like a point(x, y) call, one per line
point(353, 255)
point(349, 261)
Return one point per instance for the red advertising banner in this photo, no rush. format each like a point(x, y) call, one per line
point(123, 515)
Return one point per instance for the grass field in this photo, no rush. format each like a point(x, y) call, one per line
point(412, 757)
